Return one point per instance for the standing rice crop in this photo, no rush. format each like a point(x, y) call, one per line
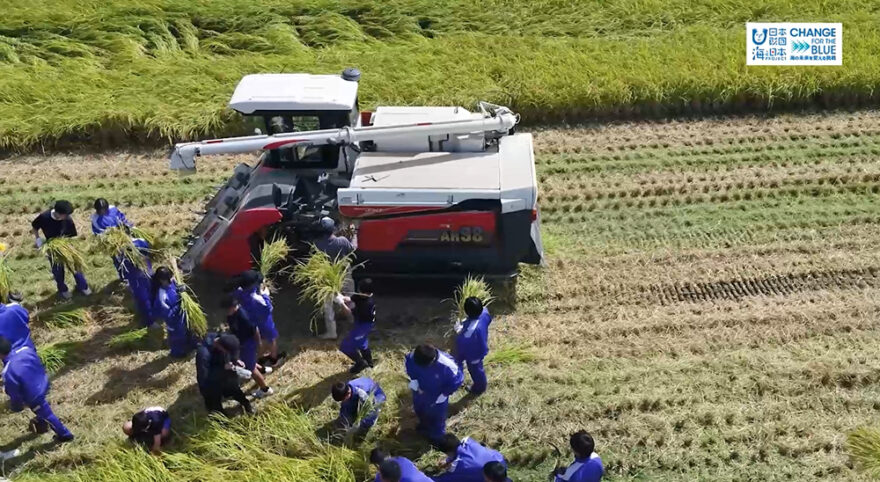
point(320, 278)
point(273, 254)
point(63, 251)
point(116, 242)
point(472, 286)
point(5, 274)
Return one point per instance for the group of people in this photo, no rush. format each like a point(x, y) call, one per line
point(248, 350)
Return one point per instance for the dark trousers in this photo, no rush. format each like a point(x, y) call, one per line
point(214, 396)
point(58, 274)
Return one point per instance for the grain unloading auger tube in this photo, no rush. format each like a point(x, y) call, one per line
point(498, 120)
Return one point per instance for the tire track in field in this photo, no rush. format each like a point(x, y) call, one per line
point(773, 285)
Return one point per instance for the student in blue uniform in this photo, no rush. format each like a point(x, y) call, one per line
point(495, 472)
point(587, 466)
point(352, 396)
point(27, 384)
point(472, 342)
point(151, 428)
point(57, 223)
point(465, 459)
point(356, 345)
point(15, 323)
point(140, 282)
point(248, 336)
point(166, 306)
point(396, 469)
point(108, 216)
point(434, 377)
point(258, 305)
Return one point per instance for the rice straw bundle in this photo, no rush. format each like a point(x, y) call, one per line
point(273, 254)
point(196, 319)
point(63, 251)
point(116, 242)
point(474, 286)
point(156, 243)
point(320, 278)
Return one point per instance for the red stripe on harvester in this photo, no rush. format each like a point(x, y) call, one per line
point(214, 142)
point(276, 145)
point(424, 123)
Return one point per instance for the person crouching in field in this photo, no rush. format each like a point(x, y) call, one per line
point(396, 469)
point(255, 301)
point(140, 282)
point(587, 466)
point(150, 428)
point(356, 345)
point(465, 459)
point(472, 343)
point(249, 340)
point(57, 223)
point(26, 384)
point(216, 362)
point(15, 323)
point(108, 216)
point(352, 397)
point(166, 306)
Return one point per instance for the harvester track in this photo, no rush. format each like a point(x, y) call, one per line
point(775, 285)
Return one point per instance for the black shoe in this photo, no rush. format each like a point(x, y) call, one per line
point(61, 440)
point(249, 409)
point(357, 368)
point(368, 357)
point(38, 426)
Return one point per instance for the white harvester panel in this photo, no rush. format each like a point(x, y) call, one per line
point(394, 116)
point(293, 92)
point(444, 179)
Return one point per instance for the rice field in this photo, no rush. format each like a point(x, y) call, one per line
point(116, 71)
point(710, 312)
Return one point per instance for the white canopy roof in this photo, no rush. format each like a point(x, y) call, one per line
point(291, 92)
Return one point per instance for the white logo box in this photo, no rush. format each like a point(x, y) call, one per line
point(794, 43)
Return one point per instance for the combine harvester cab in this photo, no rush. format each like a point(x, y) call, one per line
point(432, 191)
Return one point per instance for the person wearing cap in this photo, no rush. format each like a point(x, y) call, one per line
point(216, 359)
point(353, 396)
point(15, 323)
point(26, 383)
point(434, 377)
point(248, 336)
point(57, 223)
point(255, 300)
point(140, 281)
point(587, 465)
point(109, 216)
point(396, 469)
point(166, 306)
point(465, 459)
point(472, 342)
point(335, 247)
point(150, 428)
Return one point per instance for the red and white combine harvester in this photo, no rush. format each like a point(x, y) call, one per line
point(431, 191)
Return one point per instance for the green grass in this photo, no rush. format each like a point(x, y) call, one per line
point(166, 68)
point(54, 356)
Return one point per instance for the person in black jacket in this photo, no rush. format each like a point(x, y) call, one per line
point(57, 223)
point(216, 362)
